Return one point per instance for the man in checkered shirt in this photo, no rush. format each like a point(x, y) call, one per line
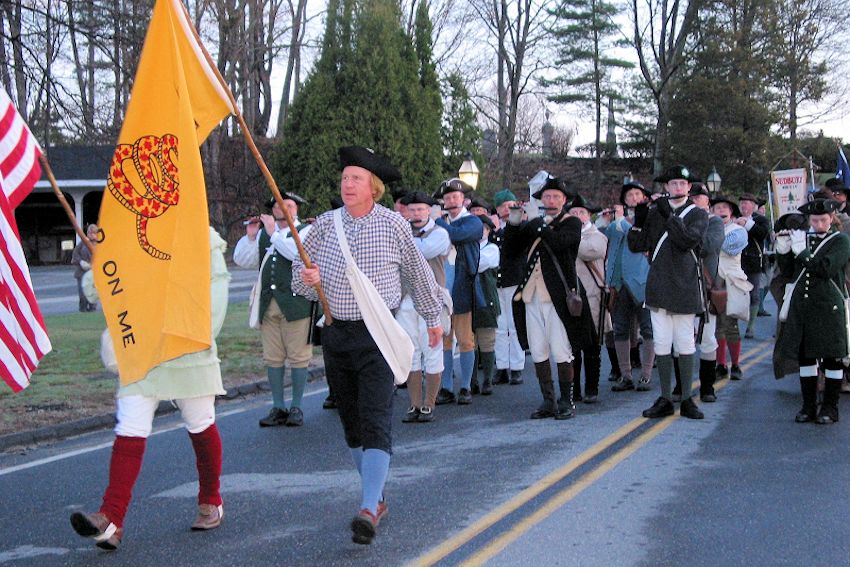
point(382, 245)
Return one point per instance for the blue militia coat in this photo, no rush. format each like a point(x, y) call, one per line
point(465, 234)
point(635, 266)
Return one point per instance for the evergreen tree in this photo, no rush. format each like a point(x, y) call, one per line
point(369, 88)
point(460, 131)
point(585, 33)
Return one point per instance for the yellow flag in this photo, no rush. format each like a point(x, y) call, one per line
point(152, 261)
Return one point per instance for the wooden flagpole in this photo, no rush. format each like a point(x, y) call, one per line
point(59, 195)
point(246, 133)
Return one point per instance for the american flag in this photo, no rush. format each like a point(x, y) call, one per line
point(23, 336)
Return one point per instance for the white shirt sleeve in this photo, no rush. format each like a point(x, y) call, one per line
point(247, 253)
point(489, 257)
point(437, 244)
point(285, 245)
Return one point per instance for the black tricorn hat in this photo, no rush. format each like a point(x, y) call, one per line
point(819, 207)
point(367, 159)
point(478, 201)
point(580, 201)
point(554, 183)
point(791, 221)
point(676, 172)
point(299, 200)
point(699, 189)
point(750, 197)
point(628, 187)
point(418, 197)
point(452, 185)
point(488, 221)
point(835, 184)
point(736, 210)
point(397, 194)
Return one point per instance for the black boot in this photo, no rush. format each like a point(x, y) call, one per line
point(544, 376)
point(829, 408)
point(677, 389)
point(592, 369)
point(577, 377)
point(809, 389)
point(488, 365)
point(615, 365)
point(566, 409)
point(706, 381)
point(501, 376)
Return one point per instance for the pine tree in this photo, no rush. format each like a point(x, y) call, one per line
point(460, 131)
point(585, 33)
point(371, 87)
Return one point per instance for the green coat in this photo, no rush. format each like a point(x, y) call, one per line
point(816, 320)
point(486, 317)
point(276, 283)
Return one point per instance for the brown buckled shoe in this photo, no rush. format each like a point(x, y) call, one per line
point(98, 527)
point(209, 517)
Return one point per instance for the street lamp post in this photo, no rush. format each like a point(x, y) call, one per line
point(468, 172)
point(713, 181)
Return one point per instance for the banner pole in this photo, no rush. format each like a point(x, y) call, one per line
point(59, 195)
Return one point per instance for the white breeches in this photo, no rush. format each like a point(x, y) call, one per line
point(135, 414)
point(424, 357)
point(672, 329)
point(547, 337)
point(509, 355)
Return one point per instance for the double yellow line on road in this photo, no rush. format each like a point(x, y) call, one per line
point(495, 546)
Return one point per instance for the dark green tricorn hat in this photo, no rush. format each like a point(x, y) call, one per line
point(676, 172)
point(580, 201)
point(819, 207)
point(367, 159)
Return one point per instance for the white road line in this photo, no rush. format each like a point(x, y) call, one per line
point(83, 451)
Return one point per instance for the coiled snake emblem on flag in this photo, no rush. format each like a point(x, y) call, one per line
point(154, 186)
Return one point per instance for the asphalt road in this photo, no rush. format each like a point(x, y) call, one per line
point(481, 485)
point(56, 289)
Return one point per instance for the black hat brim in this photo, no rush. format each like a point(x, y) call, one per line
point(367, 159)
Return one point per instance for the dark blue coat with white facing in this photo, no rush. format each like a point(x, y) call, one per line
point(465, 232)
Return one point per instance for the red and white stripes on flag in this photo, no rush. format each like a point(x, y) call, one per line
point(23, 336)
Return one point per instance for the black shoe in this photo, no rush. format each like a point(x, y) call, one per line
point(708, 398)
point(613, 377)
point(426, 415)
point(805, 415)
point(516, 377)
point(644, 384)
point(546, 410)
point(445, 397)
point(464, 397)
point(735, 372)
point(720, 371)
point(475, 388)
point(295, 418)
point(661, 408)
point(364, 527)
point(277, 416)
point(749, 334)
point(329, 403)
point(623, 385)
point(590, 398)
point(827, 415)
point(690, 410)
point(486, 388)
point(565, 410)
point(412, 415)
point(502, 376)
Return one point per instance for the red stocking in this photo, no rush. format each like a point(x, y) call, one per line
point(124, 467)
point(207, 445)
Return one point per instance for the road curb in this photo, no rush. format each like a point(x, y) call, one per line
point(93, 423)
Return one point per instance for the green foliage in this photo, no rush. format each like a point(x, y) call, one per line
point(460, 131)
point(373, 86)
